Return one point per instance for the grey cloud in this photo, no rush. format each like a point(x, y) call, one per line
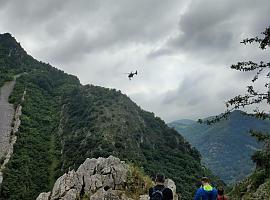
point(101, 40)
point(129, 23)
point(89, 26)
point(215, 26)
point(190, 92)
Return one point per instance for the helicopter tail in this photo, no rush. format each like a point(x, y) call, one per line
point(136, 72)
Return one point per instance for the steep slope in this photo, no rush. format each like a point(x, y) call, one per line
point(7, 111)
point(227, 146)
point(107, 122)
point(64, 122)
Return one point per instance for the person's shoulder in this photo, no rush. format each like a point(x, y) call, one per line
point(200, 189)
point(167, 190)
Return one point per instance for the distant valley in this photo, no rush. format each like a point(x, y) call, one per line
point(226, 147)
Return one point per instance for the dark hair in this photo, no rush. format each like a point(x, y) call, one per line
point(205, 179)
point(160, 178)
point(220, 191)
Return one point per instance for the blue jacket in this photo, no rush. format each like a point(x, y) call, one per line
point(206, 193)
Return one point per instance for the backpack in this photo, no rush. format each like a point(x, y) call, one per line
point(157, 194)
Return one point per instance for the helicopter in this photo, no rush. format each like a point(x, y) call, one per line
point(131, 74)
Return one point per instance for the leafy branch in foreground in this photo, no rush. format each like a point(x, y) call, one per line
point(252, 96)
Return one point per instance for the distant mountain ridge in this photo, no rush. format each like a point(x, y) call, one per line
point(227, 146)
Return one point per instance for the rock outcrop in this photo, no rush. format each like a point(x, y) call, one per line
point(6, 116)
point(11, 132)
point(9, 123)
point(7, 112)
point(95, 179)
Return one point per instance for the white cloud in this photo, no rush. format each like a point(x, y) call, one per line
point(181, 49)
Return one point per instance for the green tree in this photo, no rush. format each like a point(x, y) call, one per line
point(254, 97)
point(258, 97)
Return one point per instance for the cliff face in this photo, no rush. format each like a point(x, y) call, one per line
point(9, 125)
point(91, 179)
point(102, 178)
point(7, 112)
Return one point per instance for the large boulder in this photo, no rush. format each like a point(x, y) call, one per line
point(95, 178)
point(102, 179)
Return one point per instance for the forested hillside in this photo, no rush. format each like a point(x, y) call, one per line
point(64, 122)
point(226, 146)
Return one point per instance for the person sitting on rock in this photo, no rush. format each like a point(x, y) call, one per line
point(206, 191)
point(160, 192)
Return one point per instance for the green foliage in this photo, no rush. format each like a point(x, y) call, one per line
point(27, 174)
point(4, 77)
point(137, 182)
point(100, 122)
point(227, 146)
point(34, 166)
point(258, 97)
point(60, 115)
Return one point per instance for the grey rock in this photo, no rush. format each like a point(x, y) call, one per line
point(144, 197)
point(7, 116)
point(88, 167)
point(108, 181)
point(44, 196)
point(169, 183)
point(70, 195)
point(65, 183)
point(90, 178)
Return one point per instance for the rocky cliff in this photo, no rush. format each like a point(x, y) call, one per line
point(102, 178)
point(7, 112)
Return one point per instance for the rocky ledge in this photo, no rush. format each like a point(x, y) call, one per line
point(96, 179)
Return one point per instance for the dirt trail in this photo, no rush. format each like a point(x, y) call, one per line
point(6, 116)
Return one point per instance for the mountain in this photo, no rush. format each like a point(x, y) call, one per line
point(227, 146)
point(64, 122)
point(182, 124)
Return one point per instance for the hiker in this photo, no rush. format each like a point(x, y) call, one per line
point(206, 191)
point(221, 195)
point(160, 192)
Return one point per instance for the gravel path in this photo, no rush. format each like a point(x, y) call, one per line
point(6, 116)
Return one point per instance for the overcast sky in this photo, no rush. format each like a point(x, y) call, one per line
point(182, 49)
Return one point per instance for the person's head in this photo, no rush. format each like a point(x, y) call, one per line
point(205, 180)
point(220, 191)
point(160, 179)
